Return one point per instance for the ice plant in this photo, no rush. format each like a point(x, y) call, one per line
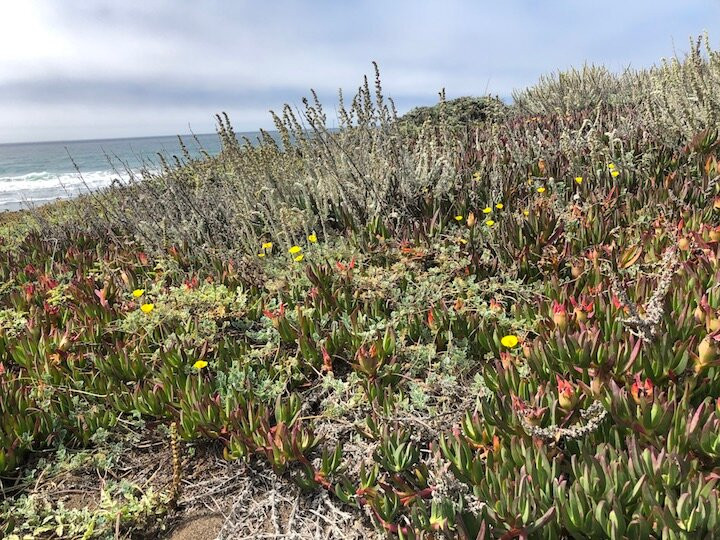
point(200, 364)
point(495, 306)
point(532, 415)
point(29, 289)
point(701, 310)
point(713, 323)
point(567, 393)
point(345, 267)
point(559, 316)
point(509, 341)
point(707, 353)
point(147, 308)
point(137, 293)
point(506, 360)
point(577, 269)
point(642, 391)
point(582, 309)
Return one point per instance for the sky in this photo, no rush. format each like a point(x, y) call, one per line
point(83, 69)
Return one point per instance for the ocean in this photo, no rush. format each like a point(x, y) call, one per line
point(32, 174)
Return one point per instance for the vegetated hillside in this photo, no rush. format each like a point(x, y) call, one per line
point(503, 332)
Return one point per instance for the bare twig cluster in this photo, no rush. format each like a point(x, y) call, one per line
point(593, 417)
point(646, 325)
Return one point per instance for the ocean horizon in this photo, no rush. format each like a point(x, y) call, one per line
point(36, 173)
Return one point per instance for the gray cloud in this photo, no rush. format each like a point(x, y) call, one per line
point(160, 64)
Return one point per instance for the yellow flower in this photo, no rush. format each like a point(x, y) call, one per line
point(487, 210)
point(462, 241)
point(147, 308)
point(200, 364)
point(541, 189)
point(299, 258)
point(578, 179)
point(312, 238)
point(509, 341)
point(611, 166)
point(499, 206)
point(261, 254)
point(614, 173)
point(526, 212)
point(489, 223)
point(295, 249)
point(458, 218)
point(267, 245)
point(137, 293)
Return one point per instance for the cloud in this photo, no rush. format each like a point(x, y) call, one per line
point(165, 63)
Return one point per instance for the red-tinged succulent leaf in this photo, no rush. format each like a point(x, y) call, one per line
point(630, 256)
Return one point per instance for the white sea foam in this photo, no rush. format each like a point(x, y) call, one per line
point(40, 187)
point(44, 180)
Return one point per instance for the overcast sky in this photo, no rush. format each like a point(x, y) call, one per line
point(76, 69)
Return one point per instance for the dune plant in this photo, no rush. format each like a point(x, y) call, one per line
point(452, 335)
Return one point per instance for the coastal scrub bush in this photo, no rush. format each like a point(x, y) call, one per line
point(677, 98)
point(309, 179)
point(463, 112)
